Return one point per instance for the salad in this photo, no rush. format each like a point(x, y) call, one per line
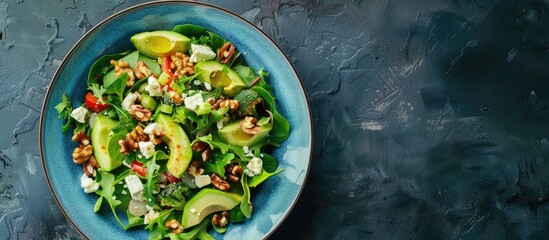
point(174, 136)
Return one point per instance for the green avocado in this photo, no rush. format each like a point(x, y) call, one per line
point(160, 43)
point(205, 202)
point(178, 143)
point(233, 134)
point(212, 72)
point(100, 138)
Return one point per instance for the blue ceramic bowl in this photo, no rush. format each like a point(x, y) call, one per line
point(272, 202)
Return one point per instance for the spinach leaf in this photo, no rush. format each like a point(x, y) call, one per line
point(114, 147)
point(269, 162)
point(102, 65)
point(256, 180)
point(246, 73)
point(281, 127)
point(236, 215)
point(216, 41)
point(117, 87)
point(151, 63)
point(190, 30)
point(131, 59)
point(245, 204)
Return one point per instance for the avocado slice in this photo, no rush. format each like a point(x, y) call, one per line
point(178, 143)
point(160, 43)
point(212, 73)
point(100, 139)
point(205, 202)
point(233, 134)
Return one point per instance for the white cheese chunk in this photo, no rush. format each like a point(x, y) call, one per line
point(194, 101)
point(154, 88)
point(89, 185)
point(208, 86)
point(201, 53)
point(221, 122)
point(129, 100)
point(151, 215)
point(135, 187)
point(147, 149)
point(79, 114)
point(152, 128)
point(254, 167)
point(202, 181)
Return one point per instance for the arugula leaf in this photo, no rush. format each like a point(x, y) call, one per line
point(102, 65)
point(158, 223)
point(256, 180)
point(202, 40)
point(245, 203)
point(64, 109)
point(199, 232)
point(97, 205)
point(133, 221)
point(152, 179)
point(97, 91)
point(107, 191)
point(218, 163)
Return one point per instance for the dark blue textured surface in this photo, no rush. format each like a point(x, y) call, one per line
point(430, 115)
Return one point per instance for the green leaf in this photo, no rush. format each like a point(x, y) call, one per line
point(218, 163)
point(152, 179)
point(236, 215)
point(97, 91)
point(152, 64)
point(191, 30)
point(117, 87)
point(216, 41)
point(114, 148)
point(256, 180)
point(281, 126)
point(223, 147)
point(102, 65)
point(245, 203)
point(269, 162)
point(131, 59)
point(107, 191)
point(133, 221)
point(157, 224)
point(246, 73)
point(98, 204)
point(198, 232)
point(64, 109)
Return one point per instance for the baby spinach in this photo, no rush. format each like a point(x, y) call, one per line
point(256, 180)
point(281, 126)
point(246, 73)
point(117, 87)
point(191, 30)
point(102, 65)
point(151, 63)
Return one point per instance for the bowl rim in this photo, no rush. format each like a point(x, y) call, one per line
point(160, 2)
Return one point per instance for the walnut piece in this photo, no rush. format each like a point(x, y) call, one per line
point(195, 169)
point(226, 52)
point(174, 225)
point(182, 64)
point(141, 70)
point(132, 139)
point(219, 183)
point(233, 171)
point(121, 67)
point(221, 221)
point(140, 113)
point(81, 138)
point(232, 104)
point(89, 169)
point(82, 154)
point(248, 125)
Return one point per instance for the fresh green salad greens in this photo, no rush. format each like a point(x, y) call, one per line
point(174, 136)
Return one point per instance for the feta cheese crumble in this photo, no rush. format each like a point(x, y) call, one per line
point(194, 101)
point(254, 167)
point(151, 215)
point(152, 128)
point(135, 187)
point(129, 100)
point(154, 88)
point(89, 185)
point(201, 53)
point(79, 114)
point(147, 149)
point(202, 181)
